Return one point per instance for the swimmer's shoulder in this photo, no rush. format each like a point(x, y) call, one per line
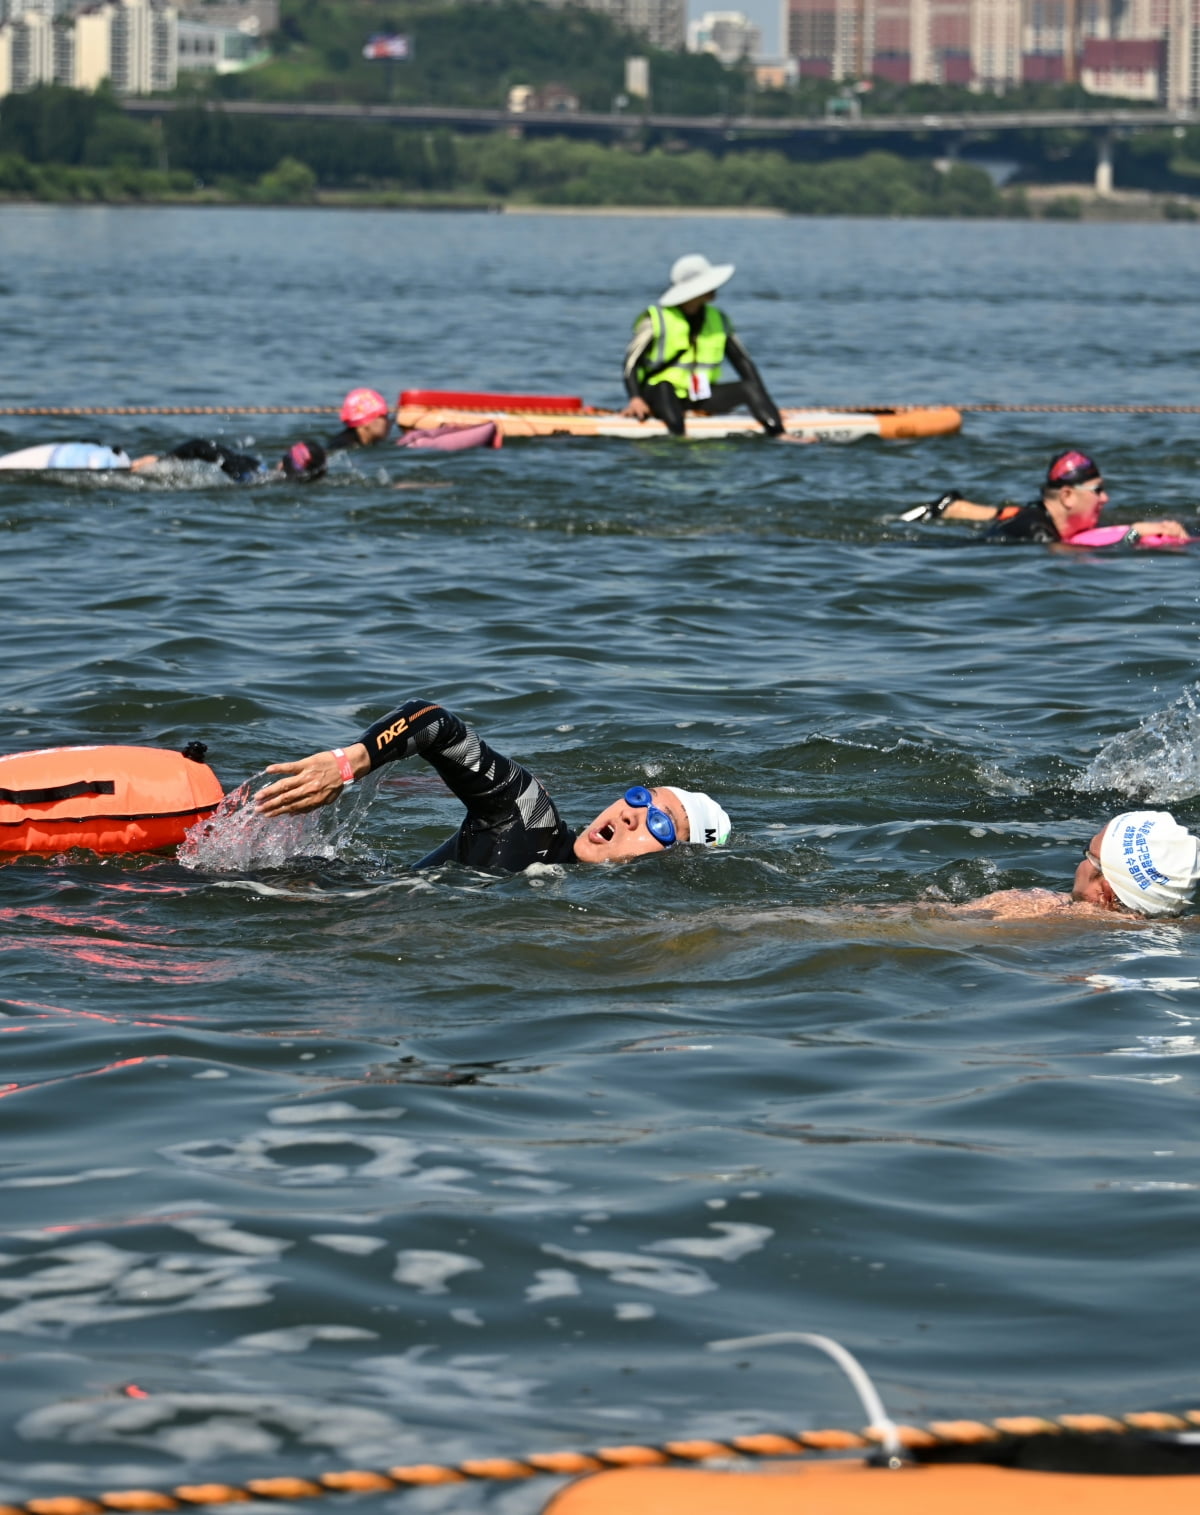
point(1018, 904)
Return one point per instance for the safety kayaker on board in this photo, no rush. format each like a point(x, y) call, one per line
point(511, 820)
point(673, 364)
point(1072, 497)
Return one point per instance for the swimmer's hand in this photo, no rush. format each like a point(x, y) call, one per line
point(309, 783)
point(932, 510)
point(1172, 529)
point(637, 408)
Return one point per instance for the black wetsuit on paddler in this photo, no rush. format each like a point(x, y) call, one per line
point(511, 821)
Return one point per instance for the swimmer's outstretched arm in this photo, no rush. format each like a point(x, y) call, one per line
point(1174, 529)
point(310, 783)
point(491, 786)
point(951, 506)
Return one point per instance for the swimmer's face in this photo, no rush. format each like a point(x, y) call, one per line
point(1091, 887)
point(374, 431)
point(619, 833)
point(1083, 503)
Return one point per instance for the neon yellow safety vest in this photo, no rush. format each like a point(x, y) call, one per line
point(672, 358)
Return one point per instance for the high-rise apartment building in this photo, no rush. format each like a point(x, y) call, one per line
point(995, 44)
point(26, 51)
point(132, 43)
point(728, 35)
point(1183, 55)
point(663, 23)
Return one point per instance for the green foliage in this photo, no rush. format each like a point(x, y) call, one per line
point(561, 172)
point(1063, 208)
point(65, 144)
point(467, 54)
point(290, 182)
point(51, 124)
point(1179, 210)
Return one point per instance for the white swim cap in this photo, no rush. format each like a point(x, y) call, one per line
point(708, 825)
point(1151, 861)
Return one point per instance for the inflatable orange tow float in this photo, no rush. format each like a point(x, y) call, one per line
point(1037, 1466)
point(107, 799)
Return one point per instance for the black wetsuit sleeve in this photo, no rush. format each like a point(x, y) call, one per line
point(635, 353)
point(1031, 523)
point(238, 465)
point(511, 820)
point(345, 439)
point(736, 352)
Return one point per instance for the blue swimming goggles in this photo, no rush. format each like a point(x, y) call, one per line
point(658, 823)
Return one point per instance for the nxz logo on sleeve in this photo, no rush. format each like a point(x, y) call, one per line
point(397, 728)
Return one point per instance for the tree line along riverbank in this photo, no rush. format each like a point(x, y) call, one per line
point(64, 145)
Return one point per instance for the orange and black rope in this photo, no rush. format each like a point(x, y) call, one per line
point(324, 410)
point(168, 410)
point(938, 1433)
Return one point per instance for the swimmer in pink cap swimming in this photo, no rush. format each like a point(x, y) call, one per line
point(1141, 863)
point(366, 419)
point(511, 821)
point(1068, 510)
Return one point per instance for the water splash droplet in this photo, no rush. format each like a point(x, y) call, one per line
point(1159, 760)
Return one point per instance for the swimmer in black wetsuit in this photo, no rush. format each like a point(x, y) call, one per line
point(303, 461)
point(511, 820)
point(1072, 497)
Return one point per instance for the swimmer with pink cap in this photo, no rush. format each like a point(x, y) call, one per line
point(366, 420)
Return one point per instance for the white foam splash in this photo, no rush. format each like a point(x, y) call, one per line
point(235, 837)
point(552, 1283)
point(1159, 760)
point(735, 1240)
point(338, 1109)
point(428, 1271)
point(352, 1246)
point(637, 1270)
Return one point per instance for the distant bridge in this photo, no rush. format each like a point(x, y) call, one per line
point(949, 126)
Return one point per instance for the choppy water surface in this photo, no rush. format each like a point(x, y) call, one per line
point(342, 1165)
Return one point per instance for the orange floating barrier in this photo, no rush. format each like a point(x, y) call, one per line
point(851, 1488)
point(106, 799)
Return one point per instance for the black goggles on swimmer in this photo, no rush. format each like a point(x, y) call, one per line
point(658, 823)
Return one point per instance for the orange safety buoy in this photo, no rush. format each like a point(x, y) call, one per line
point(107, 799)
point(850, 1488)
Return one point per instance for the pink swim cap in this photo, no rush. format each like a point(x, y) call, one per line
point(363, 405)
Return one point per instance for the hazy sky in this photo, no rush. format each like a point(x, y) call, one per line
point(765, 12)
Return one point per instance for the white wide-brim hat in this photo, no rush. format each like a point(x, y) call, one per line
point(1151, 862)
point(693, 275)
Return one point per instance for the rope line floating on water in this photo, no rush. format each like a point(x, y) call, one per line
point(332, 410)
point(938, 1433)
point(1085, 410)
point(168, 410)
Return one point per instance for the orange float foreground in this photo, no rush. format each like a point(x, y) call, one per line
point(853, 1488)
point(107, 799)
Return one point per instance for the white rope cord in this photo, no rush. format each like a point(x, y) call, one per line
point(878, 1419)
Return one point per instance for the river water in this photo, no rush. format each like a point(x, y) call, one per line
point(343, 1166)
